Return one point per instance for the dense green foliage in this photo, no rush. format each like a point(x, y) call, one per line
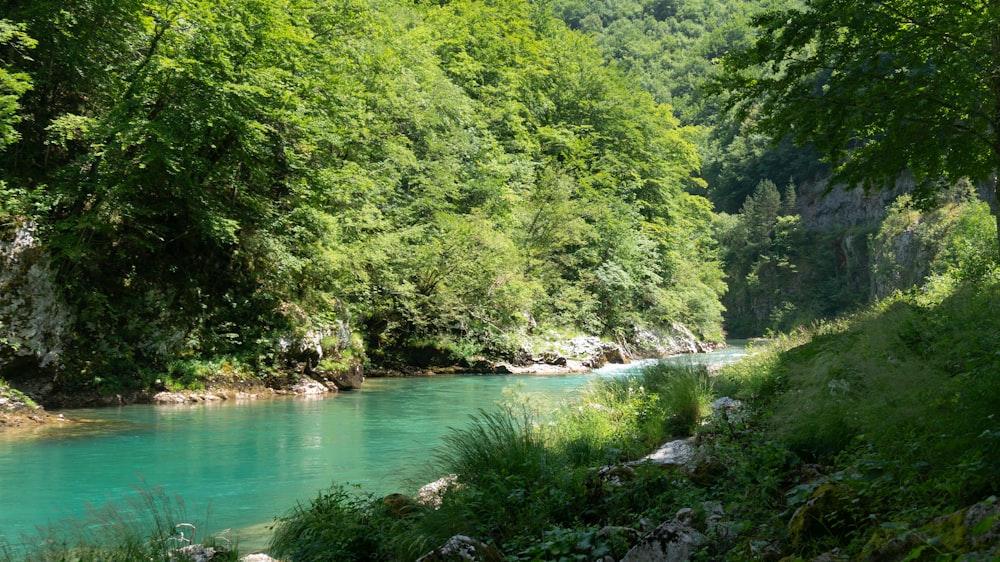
point(209, 177)
point(671, 48)
point(782, 275)
point(880, 88)
point(886, 416)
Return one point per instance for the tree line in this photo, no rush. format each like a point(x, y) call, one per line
point(210, 176)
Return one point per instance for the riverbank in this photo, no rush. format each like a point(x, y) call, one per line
point(227, 381)
point(871, 438)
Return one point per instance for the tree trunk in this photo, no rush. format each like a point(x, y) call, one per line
point(993, 81)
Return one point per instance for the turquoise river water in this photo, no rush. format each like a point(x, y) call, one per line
point(239, 464)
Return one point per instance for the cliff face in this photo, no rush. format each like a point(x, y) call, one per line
point(840, 207)
point(34, 322)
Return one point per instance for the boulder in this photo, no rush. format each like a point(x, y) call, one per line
point(675, 453)
point(596, 352)
point(972, 533)
point(619, 539)
point(350, 378)
point(258, 557)
point(432, 493)
point(308, 386)
point(401, 506)
point(199, 553)
point(305, 350)
point(461, 548)
point(673, 541)
point(825, 513)
point(728, 410)
point(550, 358)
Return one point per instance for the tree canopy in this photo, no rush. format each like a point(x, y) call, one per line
point(211, 176)
point(879, 87)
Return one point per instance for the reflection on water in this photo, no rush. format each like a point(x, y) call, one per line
point(240, 464)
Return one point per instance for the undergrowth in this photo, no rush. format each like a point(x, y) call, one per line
point(885, 419)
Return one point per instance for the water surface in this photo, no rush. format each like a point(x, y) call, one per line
point(239, 464)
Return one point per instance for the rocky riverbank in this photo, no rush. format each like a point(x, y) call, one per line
point(19, 410)
point(21, 407)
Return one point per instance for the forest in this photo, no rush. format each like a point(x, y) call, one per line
point(208, 178)
point(392, 179)
point(196, 190)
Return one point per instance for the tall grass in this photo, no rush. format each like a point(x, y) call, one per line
point(143, 527)
point(624, 418)
point(336, 525)
point(524, 473)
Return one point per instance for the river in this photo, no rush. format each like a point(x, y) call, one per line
point(239, 464)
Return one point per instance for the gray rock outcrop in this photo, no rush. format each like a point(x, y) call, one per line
point(461, 548)
point(673, 541)
point(34, 322)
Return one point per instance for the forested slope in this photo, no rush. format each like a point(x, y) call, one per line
point(210, 178)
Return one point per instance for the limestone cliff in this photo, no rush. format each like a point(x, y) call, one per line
point(34, 322)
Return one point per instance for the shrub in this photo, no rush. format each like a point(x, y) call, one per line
point(336, 525)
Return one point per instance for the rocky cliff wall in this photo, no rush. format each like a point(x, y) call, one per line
point(840, 207)
point(34, 322)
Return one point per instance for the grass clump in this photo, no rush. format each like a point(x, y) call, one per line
point(336, 525)
point(150, 526)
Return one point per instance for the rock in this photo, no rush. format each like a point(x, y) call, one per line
point(672, 541)
point(401, 506)
point(461, 548)
point(824, 513)
point(617, 355)
point(595, 352)
point(431, 494)
point(306, 350)
point(198, 553)
point(619, 539)
point(679, 452)
point(728, 410)
point(550, 358)
point(616, 475)
point(348, 379)
point(258, 557)
point(37, 324)
point(823, 207)
point(170, 398)
point(973, 532)
point(184, 397)
point(308, 386)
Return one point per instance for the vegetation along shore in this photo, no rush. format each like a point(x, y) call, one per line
point(237, 199)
